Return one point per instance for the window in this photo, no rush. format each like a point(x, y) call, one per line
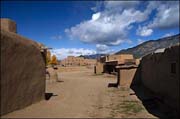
point(173, 68)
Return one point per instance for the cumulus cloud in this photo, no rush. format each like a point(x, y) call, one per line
point(96, 16)
point(120, 4)
point(64, 52)
point(144, 31)
point(167, 16)
point(108, 27)
point(112, 21)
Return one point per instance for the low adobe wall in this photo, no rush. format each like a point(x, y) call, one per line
point(160, 74)
point(125, 74)
point(99, 68)
point(22, 72)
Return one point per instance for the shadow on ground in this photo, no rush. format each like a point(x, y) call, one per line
point(59, 81)
point(49, 95)
point(153, 104)
point(112, 85)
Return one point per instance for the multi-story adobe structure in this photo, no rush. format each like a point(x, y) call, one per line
point(77, 61)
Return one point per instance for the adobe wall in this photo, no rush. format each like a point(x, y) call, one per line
point(22, 72)
point(157, 75)
point(99, 68)
point(126, 74)
point(8, 25)
point(77, 61)
point(119, 57)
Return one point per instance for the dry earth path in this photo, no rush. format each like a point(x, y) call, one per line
point(83, 94)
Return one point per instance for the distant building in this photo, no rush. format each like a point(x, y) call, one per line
point(77, 61)
point(107, 64)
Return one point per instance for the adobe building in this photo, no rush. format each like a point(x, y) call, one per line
point(116, 60)
point(159, 74)
point(90, 62)
point(77, 61)
point(109, 63)
point(125, 74)
point(22, 80)
point(8, 25)
point(99, 68)
point(100, 64)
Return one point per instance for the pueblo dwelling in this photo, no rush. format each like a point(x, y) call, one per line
point(123, 65)
point(22, 80)
point(77, 61)
point(158, 74)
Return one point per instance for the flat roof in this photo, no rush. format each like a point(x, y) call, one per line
point(126, 66)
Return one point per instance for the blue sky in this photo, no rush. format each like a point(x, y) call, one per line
point(75, 28)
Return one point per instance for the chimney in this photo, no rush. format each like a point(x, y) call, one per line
point(8, 25)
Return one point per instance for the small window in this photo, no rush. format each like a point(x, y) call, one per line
point(173, 68)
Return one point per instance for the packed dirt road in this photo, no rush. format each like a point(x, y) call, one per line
point(80, 93)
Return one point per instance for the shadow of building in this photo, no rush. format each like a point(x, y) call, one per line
point(156, 83)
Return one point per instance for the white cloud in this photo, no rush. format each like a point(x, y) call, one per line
point(120, 4)
point(112, 21)
point(98, 6)
point(64, 52)
point(103, 49)
point(168, 34)
point(107, 27)
point(144, 31)
point(96, 16)
point(167, 16)
point(140, 41)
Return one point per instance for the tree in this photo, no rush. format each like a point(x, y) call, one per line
point(48, 57)
point(54, 60)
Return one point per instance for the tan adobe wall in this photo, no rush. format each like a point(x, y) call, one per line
point(8, 25)
point(99, 68)
point(77, 61)
point(160, 74)
point(22, 80)
point(126, 74)
point(120, 58)
point(91, 62)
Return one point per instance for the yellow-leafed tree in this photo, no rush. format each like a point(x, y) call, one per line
point(48, 58)
point(54, 60)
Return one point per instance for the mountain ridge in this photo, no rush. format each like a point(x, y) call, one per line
point(150, 46)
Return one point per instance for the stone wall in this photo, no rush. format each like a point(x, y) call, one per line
point(22, 72)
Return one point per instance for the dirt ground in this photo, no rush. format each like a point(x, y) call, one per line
point(79, 93)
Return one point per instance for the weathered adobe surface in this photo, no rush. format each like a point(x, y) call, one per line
point(22, 72)
point(8, 25)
